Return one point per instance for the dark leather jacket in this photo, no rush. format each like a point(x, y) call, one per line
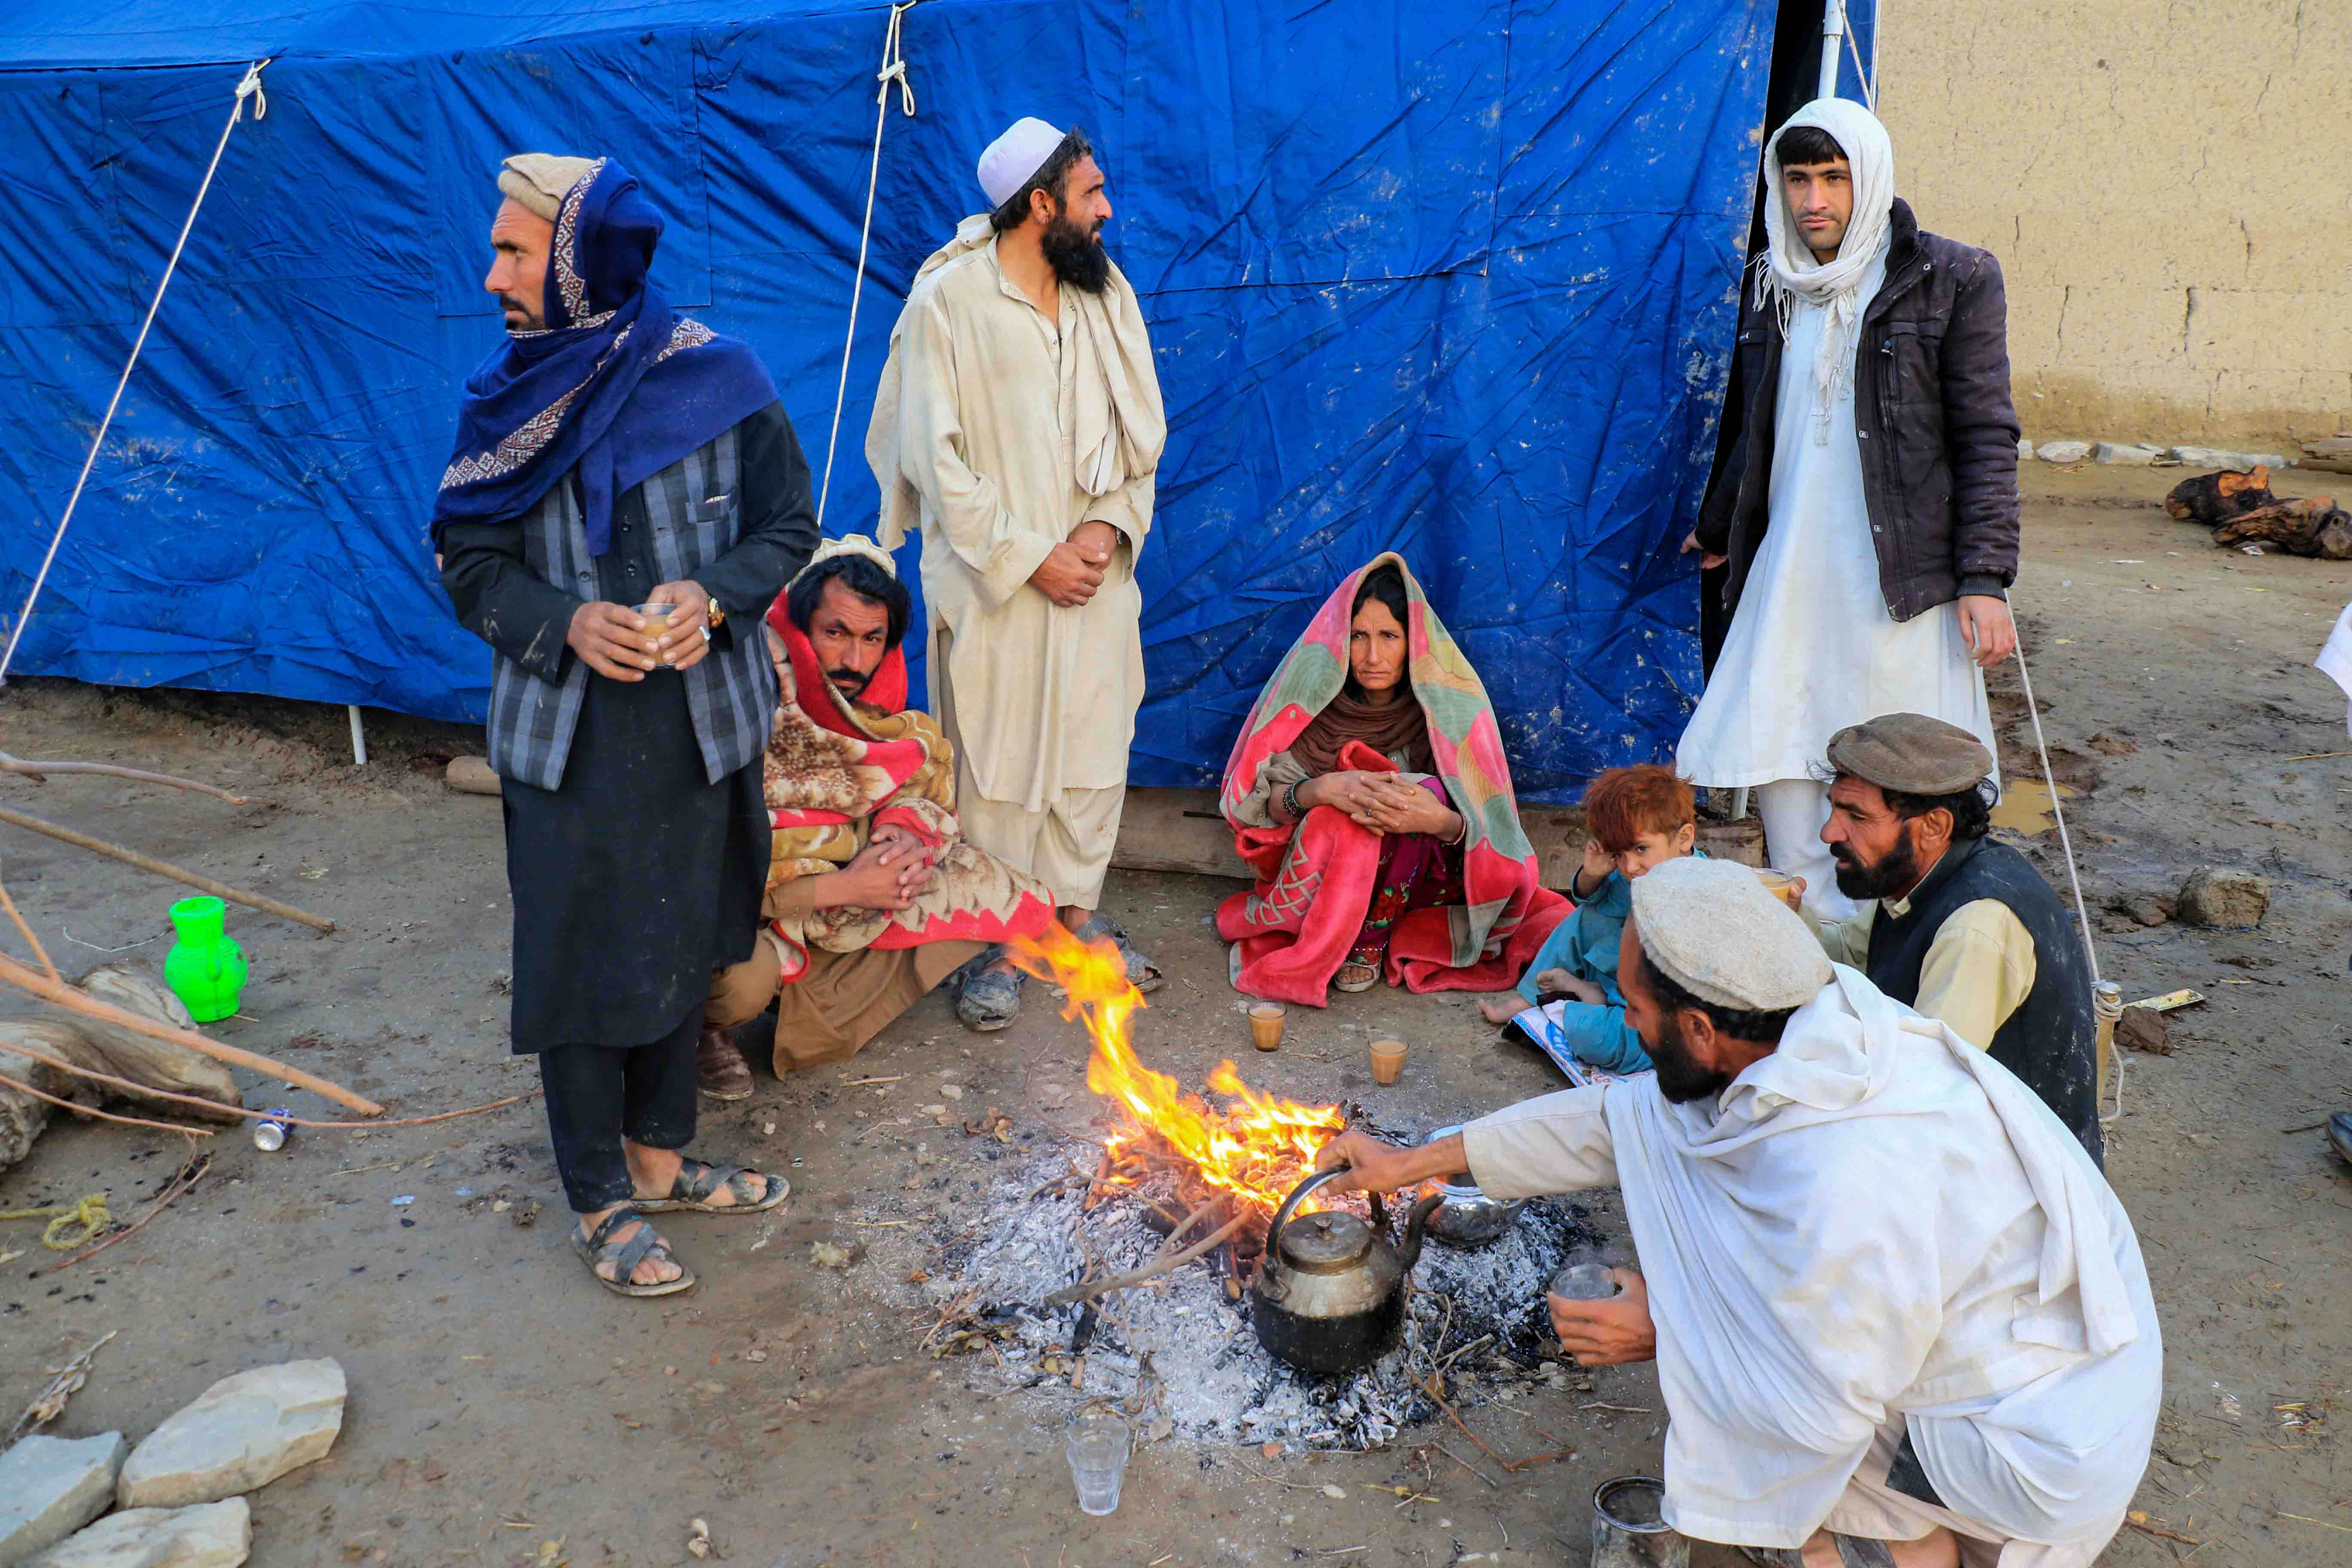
point(1939, 435)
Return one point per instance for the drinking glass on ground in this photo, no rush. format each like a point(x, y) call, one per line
point(1099, 1445)
point(1629, 1529)
point(1265, 1020)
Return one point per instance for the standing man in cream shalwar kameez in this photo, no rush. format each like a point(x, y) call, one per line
point(1897, 1314)
point(1867, 506)
point(1019, 425)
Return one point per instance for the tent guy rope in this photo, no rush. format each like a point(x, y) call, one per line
point(894, 70)
point(250, 86)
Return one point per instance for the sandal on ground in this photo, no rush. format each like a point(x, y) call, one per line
point(986, 999)
point(1354, 977)
point(1142, 972)
point(697, 1182)
point(2339, 1134)
point(598, 1246)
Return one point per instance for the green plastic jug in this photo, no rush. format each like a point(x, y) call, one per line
point(205, 968)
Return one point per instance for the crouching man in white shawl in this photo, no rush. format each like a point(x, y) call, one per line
point(1898, 1316)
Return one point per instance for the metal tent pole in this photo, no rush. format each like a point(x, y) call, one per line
point(1833, 42)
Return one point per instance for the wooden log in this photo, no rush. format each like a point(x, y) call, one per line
point(33, 983)
point(2308, 525)
point(2330, 452)
point(160, 1064)
point(2213, 498)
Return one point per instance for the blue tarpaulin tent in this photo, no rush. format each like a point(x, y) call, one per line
point(1456, 279)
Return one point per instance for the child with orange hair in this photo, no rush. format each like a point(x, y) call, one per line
point(1638, 816)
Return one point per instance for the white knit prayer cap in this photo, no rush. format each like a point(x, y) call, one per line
point(1013, 159)
point(1711, 927)
point(847, 545)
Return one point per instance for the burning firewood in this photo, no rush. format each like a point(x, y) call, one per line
point(2216, 498)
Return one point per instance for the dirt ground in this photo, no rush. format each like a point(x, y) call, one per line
point(504, 1411)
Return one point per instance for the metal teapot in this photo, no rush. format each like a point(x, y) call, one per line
point(1329, 1293)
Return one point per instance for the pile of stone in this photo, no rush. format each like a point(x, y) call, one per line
point(2140, 455)
point(178, 1496)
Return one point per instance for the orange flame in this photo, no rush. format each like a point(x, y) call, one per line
point(1257, 1147)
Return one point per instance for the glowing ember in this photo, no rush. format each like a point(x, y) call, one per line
point(1257, 1147)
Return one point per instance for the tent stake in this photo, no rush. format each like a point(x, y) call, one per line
point(359, 738)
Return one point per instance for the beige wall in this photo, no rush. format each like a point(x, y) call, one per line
point(2169, 187)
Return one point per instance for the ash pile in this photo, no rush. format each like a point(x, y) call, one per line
point(1179, 1351)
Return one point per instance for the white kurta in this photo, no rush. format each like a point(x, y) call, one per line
point(1874, 1222)
point(1811, 647)
point(984, 402)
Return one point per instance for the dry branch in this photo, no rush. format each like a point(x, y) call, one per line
point(165, 868)
point(57, 993)
point(107, 1115)
point(38, 771)
point(1089, 1289)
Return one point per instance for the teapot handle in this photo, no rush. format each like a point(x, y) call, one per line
point(1282, 1214)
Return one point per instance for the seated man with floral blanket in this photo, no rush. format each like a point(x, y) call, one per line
point(872, 896)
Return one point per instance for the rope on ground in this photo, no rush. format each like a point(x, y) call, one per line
point(248, 88)
point(90, 1214)
point(894, 70)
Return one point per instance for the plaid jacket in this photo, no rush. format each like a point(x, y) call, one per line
point(694, 507)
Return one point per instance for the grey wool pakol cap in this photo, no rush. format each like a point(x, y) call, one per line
point(1911, 753)
point(1711, 927)
point(539, 181)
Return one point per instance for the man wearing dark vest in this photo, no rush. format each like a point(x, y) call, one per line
point(624, 502)
point(1964, 929)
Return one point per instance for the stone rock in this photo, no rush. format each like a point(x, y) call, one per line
point(2129, 456)
point(2218, 897)
point(2063, 451)
point(472, 776)
point(2211, 457)
point(245, 1432)
point(2144, 1029)
point(51, 1486)
point(2024, 447)
point(214, 1535)
point(2147, 909)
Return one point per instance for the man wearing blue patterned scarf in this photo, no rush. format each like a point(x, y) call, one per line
point(614, 456)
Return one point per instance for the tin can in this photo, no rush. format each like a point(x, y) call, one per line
point(270, 1132)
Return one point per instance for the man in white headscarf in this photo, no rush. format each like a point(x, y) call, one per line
point(1018, 424)
point(1866, 503)
point(1897, 1314)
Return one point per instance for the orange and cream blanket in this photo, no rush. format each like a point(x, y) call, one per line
point(838, 772)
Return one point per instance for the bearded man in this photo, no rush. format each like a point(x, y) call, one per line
point(1898, 1316)
point(873, 895)
point(613, 453)
point(1866, 502)
point(1018, 426)
point(1959, 926)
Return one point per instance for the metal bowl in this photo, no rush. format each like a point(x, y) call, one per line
point(1466, 1216)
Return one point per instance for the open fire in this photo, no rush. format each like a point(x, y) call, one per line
point(1250, 1153)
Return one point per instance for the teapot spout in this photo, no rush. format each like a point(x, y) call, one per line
point(1409, 1253)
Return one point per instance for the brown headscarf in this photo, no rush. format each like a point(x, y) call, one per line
point(1397, 728)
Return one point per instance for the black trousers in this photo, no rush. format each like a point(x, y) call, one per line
point(599, 1095)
